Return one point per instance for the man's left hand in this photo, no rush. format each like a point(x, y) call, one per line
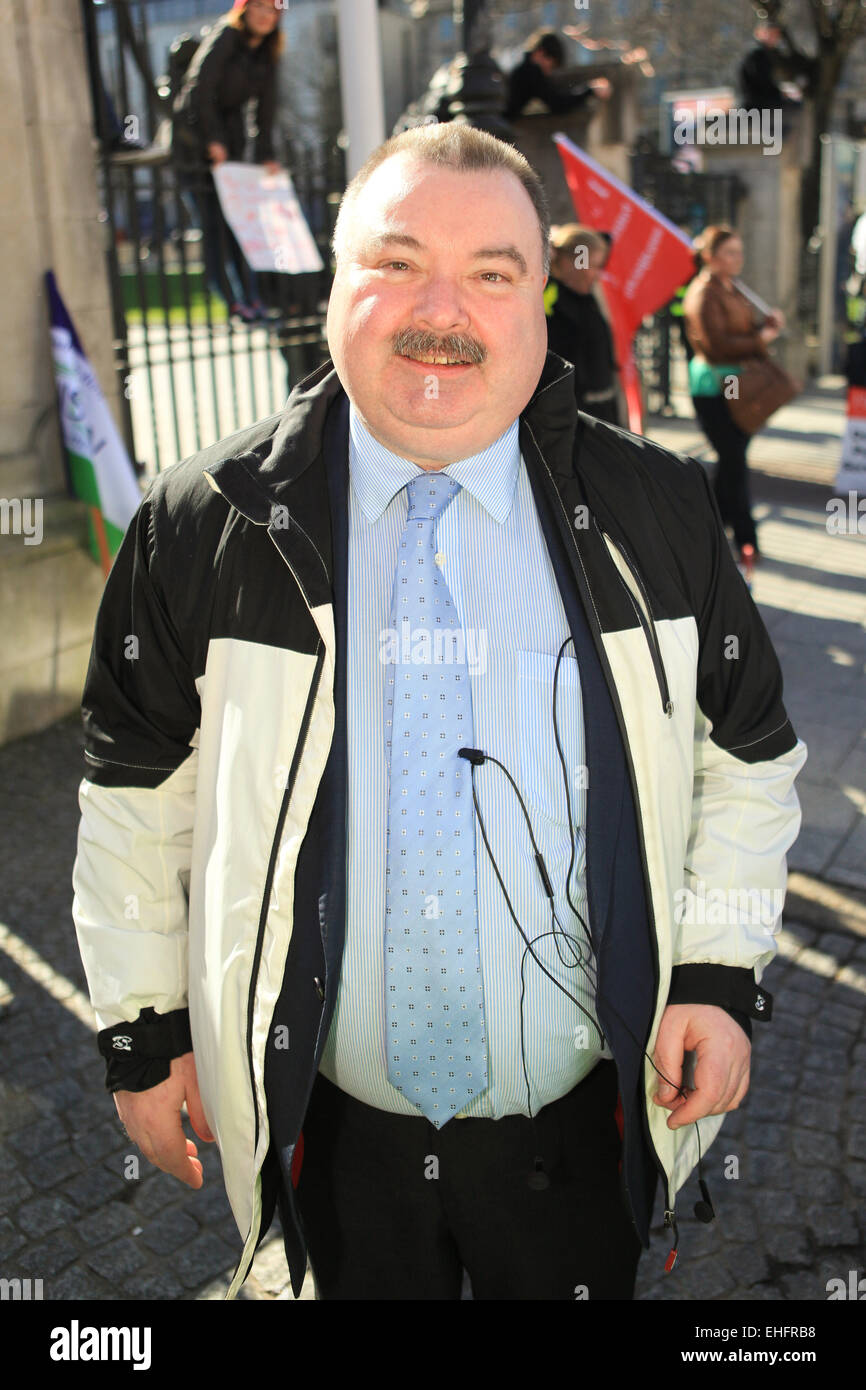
point(272, 166)
point(721, 1065)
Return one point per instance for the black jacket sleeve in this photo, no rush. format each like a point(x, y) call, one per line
point(139, 1055)
point(728, 987)
point(140, 711)
point(527, 82)
point(265, 113)
point(200, 98)
point(757, 78)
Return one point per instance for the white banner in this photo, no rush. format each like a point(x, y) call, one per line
point(264, 213)
point(101, 472)
point(852, 469)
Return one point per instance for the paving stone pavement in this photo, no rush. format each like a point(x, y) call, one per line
point(72, 1211)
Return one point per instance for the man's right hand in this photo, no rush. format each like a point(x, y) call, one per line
point(217, 152)
point(152, 1120)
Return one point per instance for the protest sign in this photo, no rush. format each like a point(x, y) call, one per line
point(265, 216)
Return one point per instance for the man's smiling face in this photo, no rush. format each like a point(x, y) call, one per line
point(436, 319)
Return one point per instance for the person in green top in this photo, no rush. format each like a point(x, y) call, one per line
point(724, 335)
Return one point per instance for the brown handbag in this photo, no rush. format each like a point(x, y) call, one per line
point(763, 387)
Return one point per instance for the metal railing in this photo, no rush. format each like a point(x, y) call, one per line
point(655, 344)
point(190, 371)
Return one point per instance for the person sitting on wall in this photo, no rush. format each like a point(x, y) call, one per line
point(768, 62)
point(544, 54)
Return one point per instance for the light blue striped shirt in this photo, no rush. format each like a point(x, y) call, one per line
point(495, 560)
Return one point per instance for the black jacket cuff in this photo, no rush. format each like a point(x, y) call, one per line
point(138, 1055)
point(727, 986)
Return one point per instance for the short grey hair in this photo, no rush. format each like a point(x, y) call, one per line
point(451, 146)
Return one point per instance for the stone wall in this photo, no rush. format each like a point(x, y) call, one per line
point(49, 219)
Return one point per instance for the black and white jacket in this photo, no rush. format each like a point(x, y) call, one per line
point(213, 718)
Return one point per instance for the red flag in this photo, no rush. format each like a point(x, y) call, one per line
point(649, 260)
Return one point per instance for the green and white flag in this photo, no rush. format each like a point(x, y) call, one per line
point(99, 469)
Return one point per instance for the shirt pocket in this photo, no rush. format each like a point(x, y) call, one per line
point(541, 773)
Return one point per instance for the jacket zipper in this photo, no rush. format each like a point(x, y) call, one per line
point(269, 878)
point(645, 620)
point(281, 818)
point(287, 796)
point(272, 858)
point(670, 1201)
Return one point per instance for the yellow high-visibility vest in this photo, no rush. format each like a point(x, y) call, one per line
point(551, 294)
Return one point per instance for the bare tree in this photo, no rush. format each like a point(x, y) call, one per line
point(682, 47)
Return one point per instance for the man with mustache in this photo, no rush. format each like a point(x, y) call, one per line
point(416, 938)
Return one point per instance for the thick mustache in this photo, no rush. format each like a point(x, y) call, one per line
point(411, 343)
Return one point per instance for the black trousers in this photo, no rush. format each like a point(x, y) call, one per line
point(394, 1209)
point(731, 484)
point(227, 272)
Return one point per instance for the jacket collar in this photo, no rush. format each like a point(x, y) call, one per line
point(276, 473)
point(264, 474)
point(551, 418)
point(267, 472)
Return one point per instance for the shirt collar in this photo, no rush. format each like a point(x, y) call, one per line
point(377, 474)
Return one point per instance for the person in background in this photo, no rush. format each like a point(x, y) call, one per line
point(675, 308)
point(720, 323)
point(855, 255)
point(544, 54)
point(235, 64)
point(774, 57)
point(576, 327)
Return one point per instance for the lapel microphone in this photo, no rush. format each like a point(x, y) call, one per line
point(538, 1180)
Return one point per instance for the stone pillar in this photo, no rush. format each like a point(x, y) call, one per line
point(49, 219)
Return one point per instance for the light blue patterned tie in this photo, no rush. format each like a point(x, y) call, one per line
point(434, 1006)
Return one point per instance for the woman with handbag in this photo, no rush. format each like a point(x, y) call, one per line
point(730, 350)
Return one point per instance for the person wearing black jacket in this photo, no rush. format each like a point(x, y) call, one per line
point(230, 773)
point(234, 65)
point(774, 57)
point(576, 327)
point(531, 79)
